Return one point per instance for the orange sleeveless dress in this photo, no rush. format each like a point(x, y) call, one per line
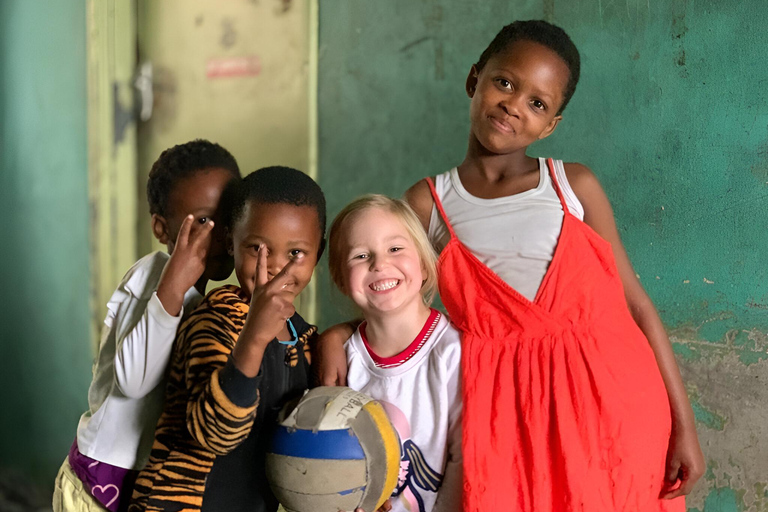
point(564, 406)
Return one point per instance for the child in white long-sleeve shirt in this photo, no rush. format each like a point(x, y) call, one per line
point(125, 398)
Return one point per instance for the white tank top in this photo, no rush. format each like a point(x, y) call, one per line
point(514, 236)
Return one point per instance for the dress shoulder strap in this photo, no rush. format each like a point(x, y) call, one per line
point(553, 176)
point(439, 205)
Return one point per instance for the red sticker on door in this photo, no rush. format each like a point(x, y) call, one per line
point(233, 66)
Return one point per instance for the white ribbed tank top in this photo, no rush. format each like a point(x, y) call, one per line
point(514, 236)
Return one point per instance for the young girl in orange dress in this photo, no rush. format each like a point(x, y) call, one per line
point(572, 397)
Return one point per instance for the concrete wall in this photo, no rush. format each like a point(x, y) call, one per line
point(46, 353)
point(671, 113)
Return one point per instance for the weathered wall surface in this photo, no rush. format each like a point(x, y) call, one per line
point(45, 346)
point(671, 113)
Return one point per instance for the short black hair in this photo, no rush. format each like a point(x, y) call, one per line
point(181, 162)
point(543, 33)
point(276, 185)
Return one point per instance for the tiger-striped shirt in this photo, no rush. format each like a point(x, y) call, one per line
point(210, 440)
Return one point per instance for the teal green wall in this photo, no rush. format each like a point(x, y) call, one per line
point(672, 115)
point(46, 349)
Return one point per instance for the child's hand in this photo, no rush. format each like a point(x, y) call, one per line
point(186, 265)
point(330, 358)
point(271, 301)
point(685, 464)
point(386, 507)
point(271, 306)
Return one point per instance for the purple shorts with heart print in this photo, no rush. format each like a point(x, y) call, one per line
point(109, 485)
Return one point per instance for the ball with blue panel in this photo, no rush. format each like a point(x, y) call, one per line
point(333, 450)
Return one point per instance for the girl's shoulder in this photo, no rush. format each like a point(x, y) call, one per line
point(419, 198)
point(589, 192)
point(447, 338)
point(228, 297)
point(445, 352)
point(218, 312)
point(598, 213)
point(581, 179)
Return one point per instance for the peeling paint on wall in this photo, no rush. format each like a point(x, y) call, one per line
point(727, 381)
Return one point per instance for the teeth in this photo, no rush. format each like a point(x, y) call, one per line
point(380, 286)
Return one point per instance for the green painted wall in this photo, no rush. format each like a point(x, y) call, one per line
point(46, 351)
point(671, 113)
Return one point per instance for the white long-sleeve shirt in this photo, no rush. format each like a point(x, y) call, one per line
point(422, 397)
point(126, 395)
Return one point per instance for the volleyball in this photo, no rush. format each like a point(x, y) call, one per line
point(334, 449)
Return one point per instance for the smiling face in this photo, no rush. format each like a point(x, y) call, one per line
point(198, 195)
point(289, 233)
point(381, 270)
point(516, 96)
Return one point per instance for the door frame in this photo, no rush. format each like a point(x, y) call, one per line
point(112, 171)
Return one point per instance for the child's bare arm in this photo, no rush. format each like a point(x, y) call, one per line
point(685, 461)
point(420, 199)
point(330, 365)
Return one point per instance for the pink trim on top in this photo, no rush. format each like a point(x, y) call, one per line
point(552, 173)
point(411, 350)
point(436, 199)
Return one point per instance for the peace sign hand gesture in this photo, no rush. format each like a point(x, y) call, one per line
point(271, 300)
point(186, 265)
point(271, 306)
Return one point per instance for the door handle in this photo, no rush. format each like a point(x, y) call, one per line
point(143, 86)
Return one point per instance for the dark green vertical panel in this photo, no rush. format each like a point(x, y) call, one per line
point(46, 354)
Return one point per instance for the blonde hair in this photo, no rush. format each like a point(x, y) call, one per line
point(405, 214)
